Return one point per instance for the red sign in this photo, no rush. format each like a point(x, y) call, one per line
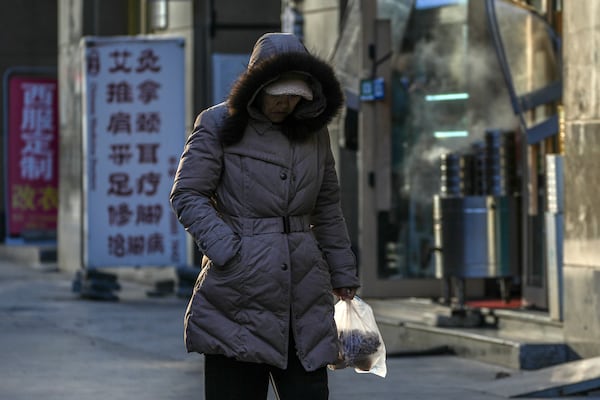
point(32, 157)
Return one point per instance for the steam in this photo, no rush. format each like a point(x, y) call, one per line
point(448, 62)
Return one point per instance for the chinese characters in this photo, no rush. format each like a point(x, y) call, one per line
point(131, 156)
point(32, 156)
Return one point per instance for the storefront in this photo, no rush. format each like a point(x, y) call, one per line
point(452, 163)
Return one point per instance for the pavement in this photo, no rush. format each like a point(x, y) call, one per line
point(55, 345)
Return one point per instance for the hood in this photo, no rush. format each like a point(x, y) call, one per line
point(275, 54)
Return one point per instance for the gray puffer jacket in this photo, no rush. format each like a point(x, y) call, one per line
point(262, 202)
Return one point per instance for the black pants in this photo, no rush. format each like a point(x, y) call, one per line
point(229, 379)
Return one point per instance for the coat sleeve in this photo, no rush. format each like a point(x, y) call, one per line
point(193, 188)
point(329, 225)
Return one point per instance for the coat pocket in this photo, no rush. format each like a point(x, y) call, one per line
point(224, 285)
point(230, 267)
point(233, 268)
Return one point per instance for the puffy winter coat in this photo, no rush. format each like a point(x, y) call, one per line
point(262, 202)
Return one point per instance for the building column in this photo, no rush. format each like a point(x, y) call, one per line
point(581, 22)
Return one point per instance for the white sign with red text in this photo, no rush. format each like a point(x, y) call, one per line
point(133, 135)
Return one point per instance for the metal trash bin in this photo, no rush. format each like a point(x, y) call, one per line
point(476, 236)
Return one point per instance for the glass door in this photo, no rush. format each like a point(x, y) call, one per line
point(425, 115)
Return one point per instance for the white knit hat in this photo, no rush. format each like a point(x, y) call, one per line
point(291, 84)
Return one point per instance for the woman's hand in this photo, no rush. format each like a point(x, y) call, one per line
point(345, 293)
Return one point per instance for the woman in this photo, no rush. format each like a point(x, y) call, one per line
point(257, 189)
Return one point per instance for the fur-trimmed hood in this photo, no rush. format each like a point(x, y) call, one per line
point(273, 55)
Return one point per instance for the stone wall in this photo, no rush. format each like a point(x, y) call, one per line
point(581, 57)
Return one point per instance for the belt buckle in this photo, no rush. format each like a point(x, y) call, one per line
point(286, 224)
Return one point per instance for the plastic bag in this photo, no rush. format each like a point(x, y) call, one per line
point(361, 344)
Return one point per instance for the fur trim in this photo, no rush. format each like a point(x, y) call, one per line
point(254, 78)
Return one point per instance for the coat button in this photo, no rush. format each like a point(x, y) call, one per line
point(283, 176)
point(284, 267)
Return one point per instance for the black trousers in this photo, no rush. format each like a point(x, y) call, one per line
point(228, 379)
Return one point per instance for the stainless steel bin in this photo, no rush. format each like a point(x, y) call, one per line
point(476, 236)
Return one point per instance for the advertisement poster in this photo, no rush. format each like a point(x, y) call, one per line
point(134, 131)
point(31, 148)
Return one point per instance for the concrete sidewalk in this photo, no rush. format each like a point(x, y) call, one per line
point(56, 346)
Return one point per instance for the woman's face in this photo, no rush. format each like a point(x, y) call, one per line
point(277, 108)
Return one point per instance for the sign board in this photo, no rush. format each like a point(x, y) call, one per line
point(31, 154)
point(133, 136)
point(372, 89)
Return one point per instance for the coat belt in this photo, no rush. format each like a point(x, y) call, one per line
point(257, 226)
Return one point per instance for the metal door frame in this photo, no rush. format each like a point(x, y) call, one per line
point(534, 294)
point(374, 175)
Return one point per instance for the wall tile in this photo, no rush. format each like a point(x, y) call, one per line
point(582, 194)
point(581, 103)
point(581, 307)
point(579, 16)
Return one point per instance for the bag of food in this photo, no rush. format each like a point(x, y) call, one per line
point(361, 344)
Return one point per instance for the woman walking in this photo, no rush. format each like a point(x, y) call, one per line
point(257, 189)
